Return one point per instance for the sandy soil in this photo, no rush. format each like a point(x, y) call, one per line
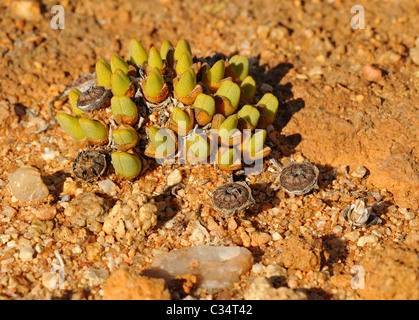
point(348, 98)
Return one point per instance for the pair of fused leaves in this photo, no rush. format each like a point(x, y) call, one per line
point(80, 128)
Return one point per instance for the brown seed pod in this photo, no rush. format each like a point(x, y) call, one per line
point(232, 198)
point(298, 178)
point(94, 98)
point(90, 165)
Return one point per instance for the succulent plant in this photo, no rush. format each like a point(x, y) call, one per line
point(70, 125)
point(164, 49)
point(120, 83)
point(73, 95)
point(154, 59)
point(240, 65)
point(227, 98)
point(190, 107)
point(182, 47)
point(95, 131)
point(126, 165)
point(117, 62)
point(137, 53)
point(204, 107)
point(124, 110)
point(103, 73)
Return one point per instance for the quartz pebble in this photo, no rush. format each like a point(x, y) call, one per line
point(107, 186)
point(26, 184)
point(367, 239)
point(214, 266)
point(174, 178)
point(359, 172)
point(26, 254)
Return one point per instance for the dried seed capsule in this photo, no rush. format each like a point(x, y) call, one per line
point(90, 165)
point(232, 198)
point(298, 178)
point(94, 98)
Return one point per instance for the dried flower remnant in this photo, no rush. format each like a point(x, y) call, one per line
point(358, 214)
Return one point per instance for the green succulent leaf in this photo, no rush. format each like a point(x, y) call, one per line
point(250, 114)
point(228, 157)
point(73, 95)
point(126, 164)
point(124, 136)
point(206, 103)
point(240, 65)
point(166, 45)
point(182, 47)
point(180, 118)
point(103, 73)
point(154, 59)
point(123, 105)
point(248, 88)
point(270, 104)
point(184, 63)
point(216, 73)
point(186, 83)
point(257, 141)
point(119, 82)
point(70, 125)
point(154, 83)
point(161, 140)
point(117, 62)
point(226, 129)
point(137, 53)
point(231, 91)
point(93, 130)
point(198, 145)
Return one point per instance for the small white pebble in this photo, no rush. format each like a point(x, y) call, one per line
point(367, 239)
point(49, 154)
point(26, 254)
point(174, 178)
point(258, 268)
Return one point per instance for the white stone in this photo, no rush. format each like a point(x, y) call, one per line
point(49, 154)
point(214, 266)
point(174, 178)
point(26, 254)
point(367, 239)
point(107, 186)
point(26, 184)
